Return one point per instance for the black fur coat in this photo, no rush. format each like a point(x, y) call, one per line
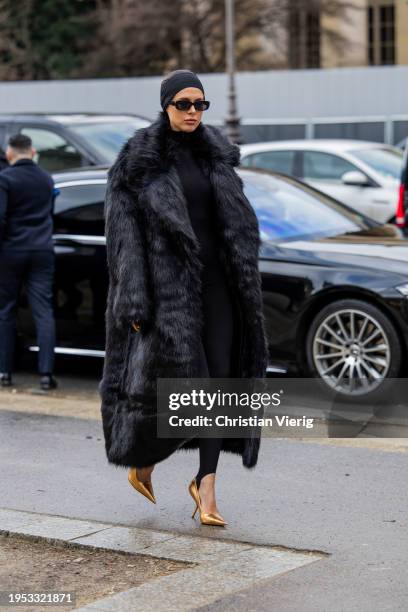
point(154, 280)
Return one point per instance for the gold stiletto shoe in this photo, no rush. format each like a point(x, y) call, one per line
point(145, 488)
point(205, 517)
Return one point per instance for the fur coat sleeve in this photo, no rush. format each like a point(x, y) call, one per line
point(129, 297)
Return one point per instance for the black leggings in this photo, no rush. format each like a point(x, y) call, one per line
point(217, 344)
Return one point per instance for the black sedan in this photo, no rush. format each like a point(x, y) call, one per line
point(335, 283)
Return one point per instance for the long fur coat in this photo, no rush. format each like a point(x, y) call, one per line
point(154, 280)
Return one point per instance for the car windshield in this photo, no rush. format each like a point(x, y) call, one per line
point(388, 162)
point(107, 138)
point(288, 210)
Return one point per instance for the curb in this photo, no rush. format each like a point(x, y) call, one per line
point(222, 567)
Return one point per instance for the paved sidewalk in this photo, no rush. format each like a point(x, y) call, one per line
point(230, 566)
point(348, 504)
point(74, 397)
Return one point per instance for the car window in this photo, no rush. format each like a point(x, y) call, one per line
point(79, 210)
point(278, 161)
point(388, 162)
point(108, 138)
point(53, 151)
point(3, 136)
point(288, 211)
point(325, 166)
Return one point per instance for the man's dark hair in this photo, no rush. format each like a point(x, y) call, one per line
point(20, 143)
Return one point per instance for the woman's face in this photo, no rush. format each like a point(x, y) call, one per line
point(185, 121)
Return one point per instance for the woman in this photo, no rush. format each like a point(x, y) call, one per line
point(185, 295)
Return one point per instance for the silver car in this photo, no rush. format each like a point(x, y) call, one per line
point(364, 175)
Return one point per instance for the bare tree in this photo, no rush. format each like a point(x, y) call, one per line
point(265, 31)
point(305, 29)
point(16, 53)
point(134, 37)
point(119, 38)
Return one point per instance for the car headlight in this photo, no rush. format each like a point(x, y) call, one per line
point(403, 289)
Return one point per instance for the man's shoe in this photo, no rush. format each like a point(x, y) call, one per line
point(5, 380)
point(48, 382)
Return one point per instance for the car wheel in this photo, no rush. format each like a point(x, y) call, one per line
point(353, 348)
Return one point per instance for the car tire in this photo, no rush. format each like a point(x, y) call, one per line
point(364, 367)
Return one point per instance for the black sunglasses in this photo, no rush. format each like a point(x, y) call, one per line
point(185, 105)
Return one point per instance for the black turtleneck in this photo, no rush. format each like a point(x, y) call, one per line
point(199, 195)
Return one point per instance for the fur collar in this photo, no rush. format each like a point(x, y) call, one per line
point(151, 151)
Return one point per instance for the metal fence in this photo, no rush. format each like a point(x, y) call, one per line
point(391, 130)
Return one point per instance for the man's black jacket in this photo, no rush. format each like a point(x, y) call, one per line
point(26, 207)
point(3, 160)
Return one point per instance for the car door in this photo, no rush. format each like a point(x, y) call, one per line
point(325, 170)
point(81, 280)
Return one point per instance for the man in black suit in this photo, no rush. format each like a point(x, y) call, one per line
point(26, 255)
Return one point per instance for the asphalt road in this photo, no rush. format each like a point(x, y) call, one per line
point(348, 502)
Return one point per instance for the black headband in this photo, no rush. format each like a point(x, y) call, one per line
point(174, 82)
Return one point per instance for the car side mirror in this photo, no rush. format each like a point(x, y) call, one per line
point(356, 178)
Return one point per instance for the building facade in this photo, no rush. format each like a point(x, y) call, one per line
point(361, 33)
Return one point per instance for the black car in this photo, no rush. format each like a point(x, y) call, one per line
point(72, 140)
point(335, 283)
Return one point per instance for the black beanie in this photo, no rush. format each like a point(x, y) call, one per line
point(174, 82)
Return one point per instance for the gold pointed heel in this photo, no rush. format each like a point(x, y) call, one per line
point(205, 517)
point(145, 488)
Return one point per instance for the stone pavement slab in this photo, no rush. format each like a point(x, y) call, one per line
point(221, 567)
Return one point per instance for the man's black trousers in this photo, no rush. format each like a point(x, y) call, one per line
point(34, 270)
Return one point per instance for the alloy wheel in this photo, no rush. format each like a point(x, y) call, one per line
point(351, 352)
